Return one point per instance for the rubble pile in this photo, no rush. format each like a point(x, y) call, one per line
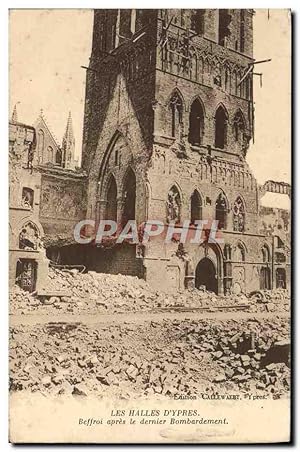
point(76, 292)
point(270, 300)
point(160, 359)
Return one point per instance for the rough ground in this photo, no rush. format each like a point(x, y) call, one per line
point(122, 338)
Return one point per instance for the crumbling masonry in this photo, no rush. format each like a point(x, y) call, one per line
point(168, 119)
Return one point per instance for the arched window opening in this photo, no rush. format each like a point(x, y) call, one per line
point(173, 205)
point(265, 278)
point(224, 23)
point(141, 19)
point(58, 157)
point(221, 211)
point(241, 253)
point(280, 278)
point(196, 126)
point(27, 197)
point(125, 25)
point(239, 215)
point(26, 274)
point(176, 108)
point(29, 237)
point(111, 199)
point(41, 144)
point(239, 127)
point(227, 252)
point(197, 21)
point(227, 79)
point(129, 197)
point(196, 207)
point(50, 154)
point(265, 252)
point(220, 128)
point(242, 30)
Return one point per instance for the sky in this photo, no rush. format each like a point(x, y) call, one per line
point(48, 48)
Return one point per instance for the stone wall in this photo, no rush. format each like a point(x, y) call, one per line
point(63, 202)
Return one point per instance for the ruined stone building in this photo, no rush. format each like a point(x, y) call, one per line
point(168, 120)
point(169, 116)
point(45, 199)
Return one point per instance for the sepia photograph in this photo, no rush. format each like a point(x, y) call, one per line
point(150, 226)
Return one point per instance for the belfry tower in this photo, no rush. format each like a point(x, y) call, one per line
point(168, 120)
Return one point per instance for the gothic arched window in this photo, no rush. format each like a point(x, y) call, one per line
point(221, 211)
point(196, 126)
point(265, 254)
point(224, 22)
point(239, 127)
point(227, 252)
point(173, 205)
point(41, 144)
point(241, 253)
point(196, 207)
point(27, 197)
point(29, 237)
point(111, 199)
point(198, 21)
point(125, 32)
point(220, 128)
point(242, 30)
point(58, 157)
point(176, 109)
point(129, 196)
point(50, 154)
point(239, 215)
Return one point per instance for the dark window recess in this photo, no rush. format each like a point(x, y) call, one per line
point(280, 278)
point(111, 206)
point(224, 23)
point(140, 19)
point(227, 252)
point(221, 211)
point(58, 157)
point(196, 126)
point(116, 157)
point(196, 207)
point(239, 127)
point(129, 195)
point(265, 278)
point(29, 237)
point(173, 205)
point(176, 114)
point(241, 254)
point(238, 215)
point(125, 25)
point(27, 197)
point(265, 252)
point(26, 274)
point(197, 21)
point(242, 30)
point(280, 243)
point(280, 258)
point(220, 128)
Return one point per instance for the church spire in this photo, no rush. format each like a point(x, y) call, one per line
point(68, 145)
point(14, 116)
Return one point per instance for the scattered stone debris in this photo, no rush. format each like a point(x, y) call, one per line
point(163, 358)
point(73, 292)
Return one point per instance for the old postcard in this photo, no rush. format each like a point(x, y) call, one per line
point(150, 186)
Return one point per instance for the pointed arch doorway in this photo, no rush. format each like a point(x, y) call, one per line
point(205, 275)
